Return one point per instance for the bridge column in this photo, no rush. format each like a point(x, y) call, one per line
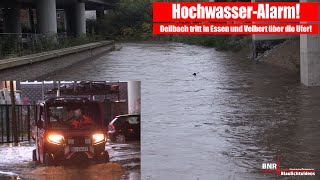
point(99, 15)
point(30, 19)
point(310, 57)
point(47, 16)
point(68, 20)
point(134, 97)
point(80, 18)
point(12, 22)
point(75, 20)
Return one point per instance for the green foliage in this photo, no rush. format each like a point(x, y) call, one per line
point(129, 20)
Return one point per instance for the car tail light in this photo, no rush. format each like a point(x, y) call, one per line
point(111, 127)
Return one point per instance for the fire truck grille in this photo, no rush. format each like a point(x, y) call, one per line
point(78, 141)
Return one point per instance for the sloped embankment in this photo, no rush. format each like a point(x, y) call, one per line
point(285, 55)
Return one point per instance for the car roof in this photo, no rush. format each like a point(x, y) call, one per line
point(128, 115)
point(67, 100)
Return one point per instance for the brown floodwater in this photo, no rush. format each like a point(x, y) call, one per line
point(222, 123)
point(16, 163)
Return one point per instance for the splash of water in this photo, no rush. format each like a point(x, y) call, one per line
point(112, 171)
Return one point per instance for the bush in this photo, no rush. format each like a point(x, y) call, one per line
point(129, 20)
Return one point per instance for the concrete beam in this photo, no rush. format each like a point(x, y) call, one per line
point(310, 57)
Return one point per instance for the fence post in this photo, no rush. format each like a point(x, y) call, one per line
point(20, 123)
point(13, 112)
point(28, 121)
point(2, 126)
point(8, 123)
point(35, 110)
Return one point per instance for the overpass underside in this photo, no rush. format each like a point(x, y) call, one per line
point(46, 14)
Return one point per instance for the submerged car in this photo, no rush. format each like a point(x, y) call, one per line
point(124, 127)
point(69, 129)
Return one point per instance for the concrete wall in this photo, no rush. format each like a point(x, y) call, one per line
point(310, 56)
point(41, 65)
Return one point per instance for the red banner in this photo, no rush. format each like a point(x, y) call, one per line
point(241, 12)
point(235, 29)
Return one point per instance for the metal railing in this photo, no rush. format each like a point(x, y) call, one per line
point(25, 118)
point(17, 44)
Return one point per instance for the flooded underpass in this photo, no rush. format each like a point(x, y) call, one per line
point(16, 163)
point(222, 123)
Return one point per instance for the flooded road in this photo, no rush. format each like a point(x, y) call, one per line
point(16, 163)
point(222, 123)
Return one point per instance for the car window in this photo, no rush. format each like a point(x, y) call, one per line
point(63, 116)
point(120, 120)
point(133, 120)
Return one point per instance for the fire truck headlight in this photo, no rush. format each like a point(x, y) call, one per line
point(97, 138)
point(55, 138)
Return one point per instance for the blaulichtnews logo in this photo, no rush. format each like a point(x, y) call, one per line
point(275, 168)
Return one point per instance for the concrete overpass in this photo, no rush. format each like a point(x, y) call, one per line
point(46, 14)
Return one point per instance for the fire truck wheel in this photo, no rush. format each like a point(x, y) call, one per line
point(103, 158)
point(120, 138)
point(106, 157)
point(48, 159)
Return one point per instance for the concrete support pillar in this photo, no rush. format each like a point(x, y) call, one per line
point(75, 20)
point(99, 14)
point(31, 20)
point(80, 18)
point(99, 17)
point(12, 22)
point(47, 16)
point(134, 97)
point(310, 57)
point(68, 21)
